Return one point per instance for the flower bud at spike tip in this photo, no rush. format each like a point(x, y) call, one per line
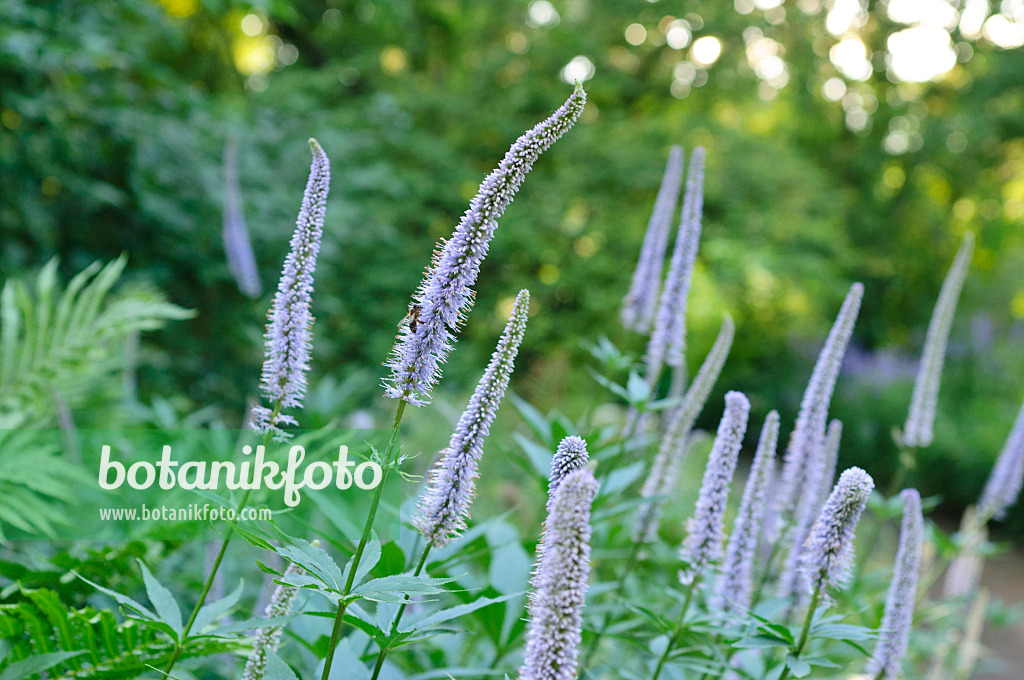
point(703, 544)
point(570, 456)
point(641, 303)
point(443, 298)
point(1005, 480)
point(899, 604)
point(290, 325)
point(829, 548)
point(561, 583)
point(444, 506)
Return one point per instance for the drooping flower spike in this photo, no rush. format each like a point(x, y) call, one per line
point(290, 321)
point(561, 583)
point(444, 506)
point(703, 543)
point(899, 603)
point(918, 429)
point(828, 551)
point(443, 298)
point(734, 586)
point(640, 304)
point(268, 639)
point(1004, 482)
point(813, 414)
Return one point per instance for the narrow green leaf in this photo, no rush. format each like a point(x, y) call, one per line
point(163, 601)
point(19, 670)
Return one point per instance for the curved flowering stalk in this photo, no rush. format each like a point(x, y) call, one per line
point(829, 548)
point(811, 419)
point(442, 299)
point(268, 639)
point(668, 339)
point(661, 478)
point(237, 246)
point(290, 325)
point(561, 582)
point(899, 603)
point(640, 304)
point(703, 543)
point(1004, 482)
point(820, 475)
point(918, 429)
point(444, 506)
point(735, 585)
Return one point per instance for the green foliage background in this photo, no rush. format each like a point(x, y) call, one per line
point(114, 114)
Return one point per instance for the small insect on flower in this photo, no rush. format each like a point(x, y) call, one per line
point(412, 319)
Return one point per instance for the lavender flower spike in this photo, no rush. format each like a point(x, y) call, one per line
point(813, 414)
point(268, 639)
point(443, 298)
point(290, 326)
point(570, 456)
point(899, 603)
point(918, 429)
point(641, 302)
point(735, 585)
point(1004, 482)
point(661, 479)
point(668, 340)
point(703, 544)
point(237, 247)
point(561, 582)
point(444, 506)
point(829, 548)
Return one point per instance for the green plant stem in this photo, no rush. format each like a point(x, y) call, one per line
point(358, 556)
point(674, 640)
point(608, 619)
point(805, 632)
point(179, 645)
point(398, 617)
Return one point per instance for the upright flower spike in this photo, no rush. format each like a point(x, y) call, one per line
point(813, 414)
point(820, 475)
point(736, 584)
point(668, 339)
point(444, 506)
point(661, 478)
point(829, 548)
point(703, 544)
point(918, 429)
point(570, 456)
point(1004, 482)
point(964, 573)
point(290, 325)
point(442, 299)
point(237, 246)
point(899, 603)
point(268, 639)
point(640, 304)
point(561, 582)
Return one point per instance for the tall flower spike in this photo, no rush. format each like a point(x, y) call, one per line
point(640, 304)
point(829, 548)
point(820, 475)
point(899, 603)
point(237, 246)
point(703, 543)
point(735, 585)
point(918, 429)
point(290, 326)
point(668, 340)
point(268, 639)
point(661, 479)
point(561, 582)
point(444, 506)
point(442, 299)
point(1004, 482)
point(813, 414)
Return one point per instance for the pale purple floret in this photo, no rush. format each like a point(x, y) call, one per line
point(561, 582)
point(268, 639)
point(899, 603)
point(237, 247)
point(640, 304)
point(813, 414)
point(703, 543)
point(735, 585)
point(828, 551)
point(668, 339)
point(290, 322)
point(444, 506)
point(1004, 482)
point(443, 298)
